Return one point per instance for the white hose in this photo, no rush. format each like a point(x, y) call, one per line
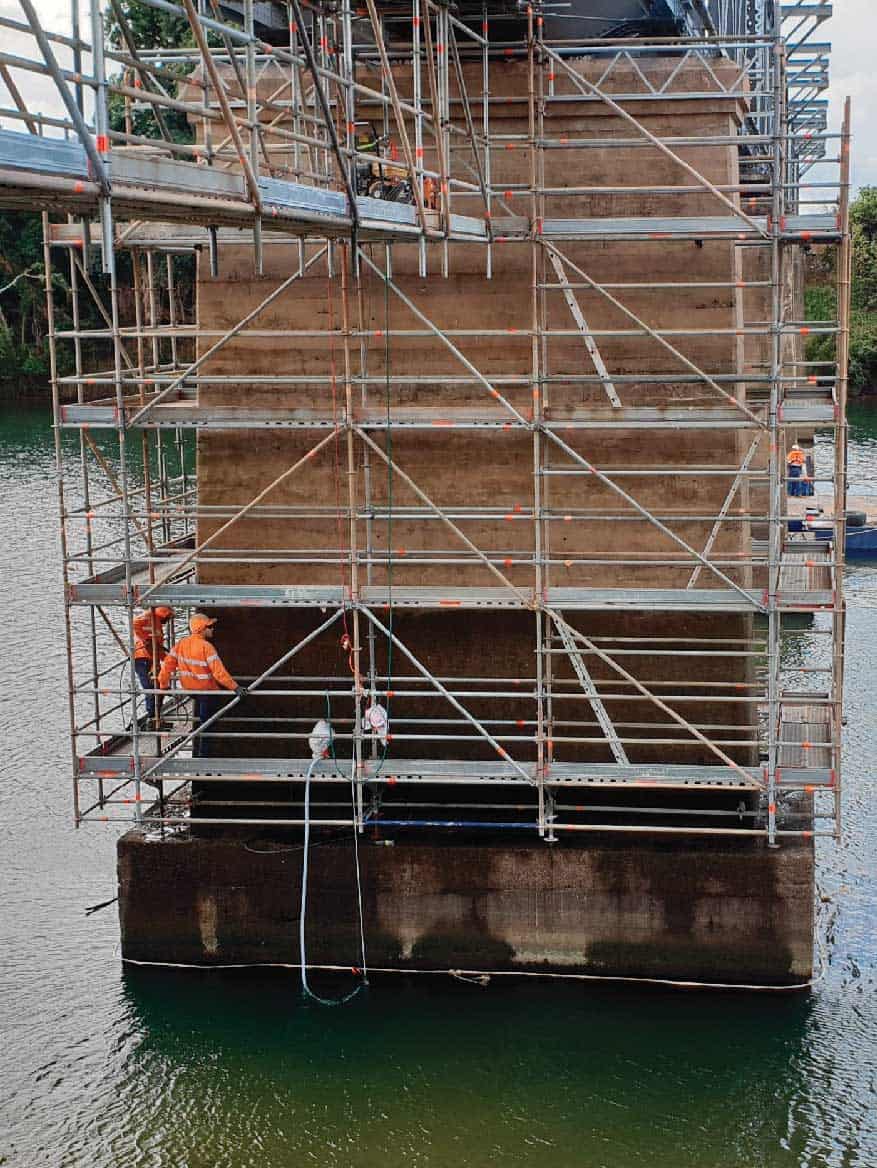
point(317, 738)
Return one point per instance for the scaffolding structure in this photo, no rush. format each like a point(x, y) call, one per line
point(274, 105)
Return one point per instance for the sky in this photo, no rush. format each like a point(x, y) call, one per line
point(852, 32)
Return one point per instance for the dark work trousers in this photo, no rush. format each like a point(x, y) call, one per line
point(207, 702)
point(143, 669)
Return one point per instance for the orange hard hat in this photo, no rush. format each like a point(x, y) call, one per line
point(199, 621)
point(163, 612)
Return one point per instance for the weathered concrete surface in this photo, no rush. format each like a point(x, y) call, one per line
point(703, 910)
point(492, 471)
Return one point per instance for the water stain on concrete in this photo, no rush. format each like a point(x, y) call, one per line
point(207, 920)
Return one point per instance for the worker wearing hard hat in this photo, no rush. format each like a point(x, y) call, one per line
point(149, 651)
point(197, 664)
point(796, 467)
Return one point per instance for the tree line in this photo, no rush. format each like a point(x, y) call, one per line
point(820, 296)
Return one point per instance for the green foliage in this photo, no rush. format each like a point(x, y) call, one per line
point(159, 30)
point(863, 321)
point(820, 304)
point(820, 299)
point(147, 26)
point(863, 212)
point(863, 351)
point(863, 219)
point(24, 357)
point(23, 346)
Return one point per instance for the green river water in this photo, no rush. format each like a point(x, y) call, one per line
point(103, 1067)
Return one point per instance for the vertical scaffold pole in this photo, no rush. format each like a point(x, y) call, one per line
point(146, 527)
point(844, 289)
point(442, 163)
point(352, 554)
point(485, 126)
point(179, 442)
point(163, 488)
point(102, 137)
point(296, 98)
point(254, 130)
point(417, 91)
point(444, 73)
point(542, 396)
point(127, 523)
point(542, 628)
point(776, 504)
point(62, 508)
point(86, 494)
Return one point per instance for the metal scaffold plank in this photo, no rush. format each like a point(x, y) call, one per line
point(806, 8)
point(576, 599)
point(579, 599)
point(820, 227)
point(144, 185)
point(189, 415)
point(431, 771)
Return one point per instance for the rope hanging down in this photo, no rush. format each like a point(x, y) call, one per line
point(388, 431)
point(321, 741)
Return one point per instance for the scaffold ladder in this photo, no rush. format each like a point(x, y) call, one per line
point(587, 684)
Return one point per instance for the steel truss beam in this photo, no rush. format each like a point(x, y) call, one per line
point(586, 86)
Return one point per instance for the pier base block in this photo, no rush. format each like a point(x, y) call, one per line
point(689, 909)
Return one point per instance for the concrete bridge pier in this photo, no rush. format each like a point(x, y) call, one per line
point(707, 910)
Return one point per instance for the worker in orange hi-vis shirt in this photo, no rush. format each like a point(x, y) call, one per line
point(150, 650)
point(196, 662)
point(796, 470)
